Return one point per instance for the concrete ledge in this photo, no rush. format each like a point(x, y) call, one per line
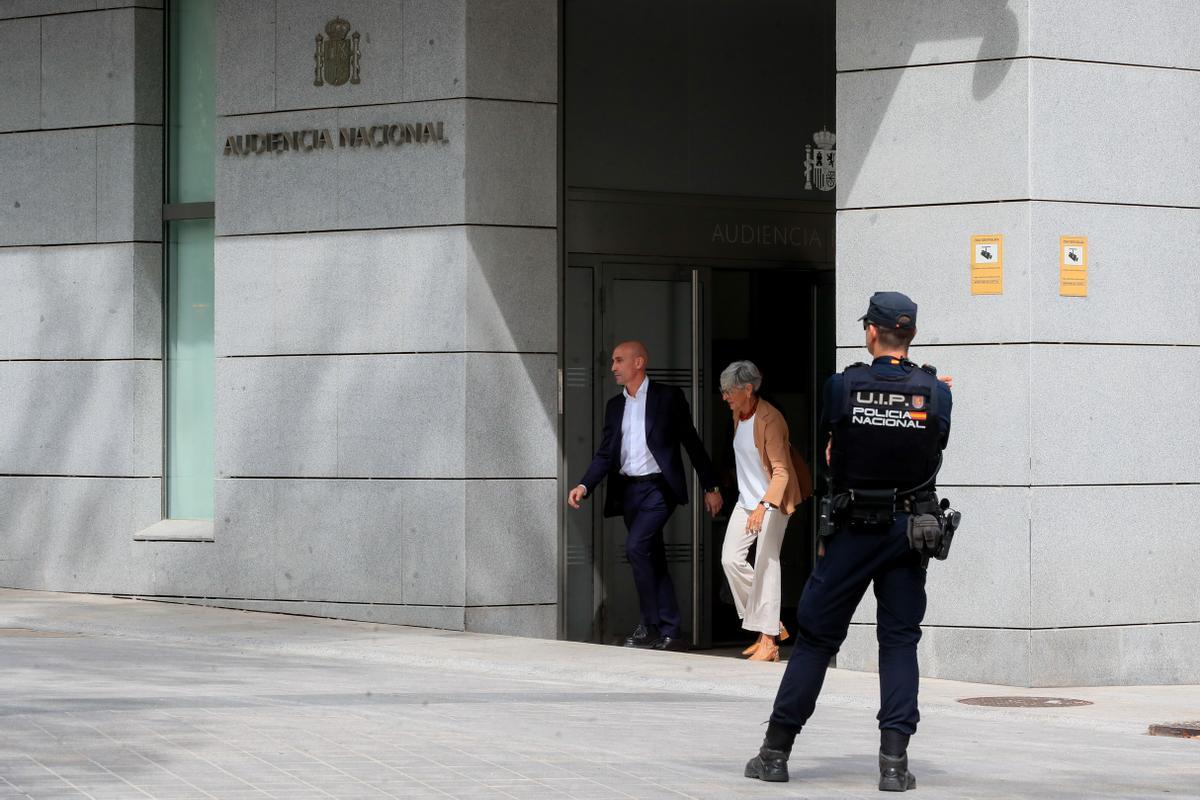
point(177, 530)
point(1115, 655)
point(982, 655)
point(1122, 655)
point(449, 618)
point(532, 621)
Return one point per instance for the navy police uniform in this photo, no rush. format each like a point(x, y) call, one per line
point(889, 422)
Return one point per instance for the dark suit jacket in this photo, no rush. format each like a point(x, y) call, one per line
point(668, 425)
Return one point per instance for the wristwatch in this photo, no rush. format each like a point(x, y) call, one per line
point(766, 505)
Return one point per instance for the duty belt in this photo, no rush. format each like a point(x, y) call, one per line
point(879, 506)
point(931, 523)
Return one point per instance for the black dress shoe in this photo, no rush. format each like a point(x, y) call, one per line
point(671, 643)
point(894, 775)
point(642, 636)
point(769, 765)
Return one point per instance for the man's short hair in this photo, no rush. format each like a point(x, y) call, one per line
point(895, 338)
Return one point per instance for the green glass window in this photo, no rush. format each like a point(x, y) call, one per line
point(190, 151)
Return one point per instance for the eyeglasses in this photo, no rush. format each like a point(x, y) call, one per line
point(725, 393)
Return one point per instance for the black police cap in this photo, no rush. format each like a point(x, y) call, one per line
point(891, 310)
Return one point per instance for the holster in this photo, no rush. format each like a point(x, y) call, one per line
point(931, 525)
point(825, 526)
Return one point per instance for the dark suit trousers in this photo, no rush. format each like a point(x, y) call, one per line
point(853, 560)
point(646, 513)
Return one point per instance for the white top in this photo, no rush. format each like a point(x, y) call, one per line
point(752, 476)
point(636, 458)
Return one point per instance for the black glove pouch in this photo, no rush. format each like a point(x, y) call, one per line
point(872, 506)
point(924, 533)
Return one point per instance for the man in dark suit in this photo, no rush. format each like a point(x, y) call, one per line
point(644, 426)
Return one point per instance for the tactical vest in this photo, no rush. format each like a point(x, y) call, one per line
point(887, 433)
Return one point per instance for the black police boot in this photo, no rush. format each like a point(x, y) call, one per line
point(768, 765)
point(771, 762)
point(894, 775)
point(893, 762)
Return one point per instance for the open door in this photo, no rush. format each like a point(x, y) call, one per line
point(663, 307)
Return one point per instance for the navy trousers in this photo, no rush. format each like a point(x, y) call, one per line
point(855, 558)
point(646, 513)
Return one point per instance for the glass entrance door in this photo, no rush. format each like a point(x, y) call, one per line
point(662, 306)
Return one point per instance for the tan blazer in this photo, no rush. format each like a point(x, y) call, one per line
point(791, 481)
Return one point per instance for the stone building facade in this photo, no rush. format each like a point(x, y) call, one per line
point(390, 384)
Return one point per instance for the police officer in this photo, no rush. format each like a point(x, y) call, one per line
point(888, 423)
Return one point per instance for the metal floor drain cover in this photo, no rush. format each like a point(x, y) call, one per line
point(1183, 730)
point(1025, 702)
point(31, 634)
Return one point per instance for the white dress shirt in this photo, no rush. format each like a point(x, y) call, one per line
point(636, 458)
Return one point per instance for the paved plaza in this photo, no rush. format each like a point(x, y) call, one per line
point(110, 698)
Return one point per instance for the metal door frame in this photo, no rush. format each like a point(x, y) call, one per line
point(608, 270)
point(697, 271)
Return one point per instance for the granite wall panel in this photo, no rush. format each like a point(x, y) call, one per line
point(1140, 284)
point(115, 79)
point(1088, 137)
point(1125, 655)
point(918, 136)
point(129, 184)
point(94, 418)
point(512, 542)
point(928, 258)
point(1114, 431)
point(511, 162)
point(1113, 555)
point(89, 301)
point(21, 90)
point(48, 195)
point(513, 47)
point(74, 534)
point(1115, 31)
point(900, 33)
point(245, 57)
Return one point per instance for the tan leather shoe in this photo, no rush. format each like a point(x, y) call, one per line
point(749, 651)
point(768, 652)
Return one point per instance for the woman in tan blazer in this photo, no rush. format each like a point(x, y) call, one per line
point(772, 482)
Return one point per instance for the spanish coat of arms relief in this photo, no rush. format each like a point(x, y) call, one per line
point(338, 57)
point(820, 163)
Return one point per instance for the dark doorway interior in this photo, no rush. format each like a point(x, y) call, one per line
point(695, 219)
point(761, 315)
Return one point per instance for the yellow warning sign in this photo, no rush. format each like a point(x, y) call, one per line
point(1072, 266)
point(987, 264)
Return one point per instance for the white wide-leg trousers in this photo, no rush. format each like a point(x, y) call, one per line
point(756, 589)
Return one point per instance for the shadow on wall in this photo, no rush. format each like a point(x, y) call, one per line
point(999, 32)
point(70, 532)
point(468, 391)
